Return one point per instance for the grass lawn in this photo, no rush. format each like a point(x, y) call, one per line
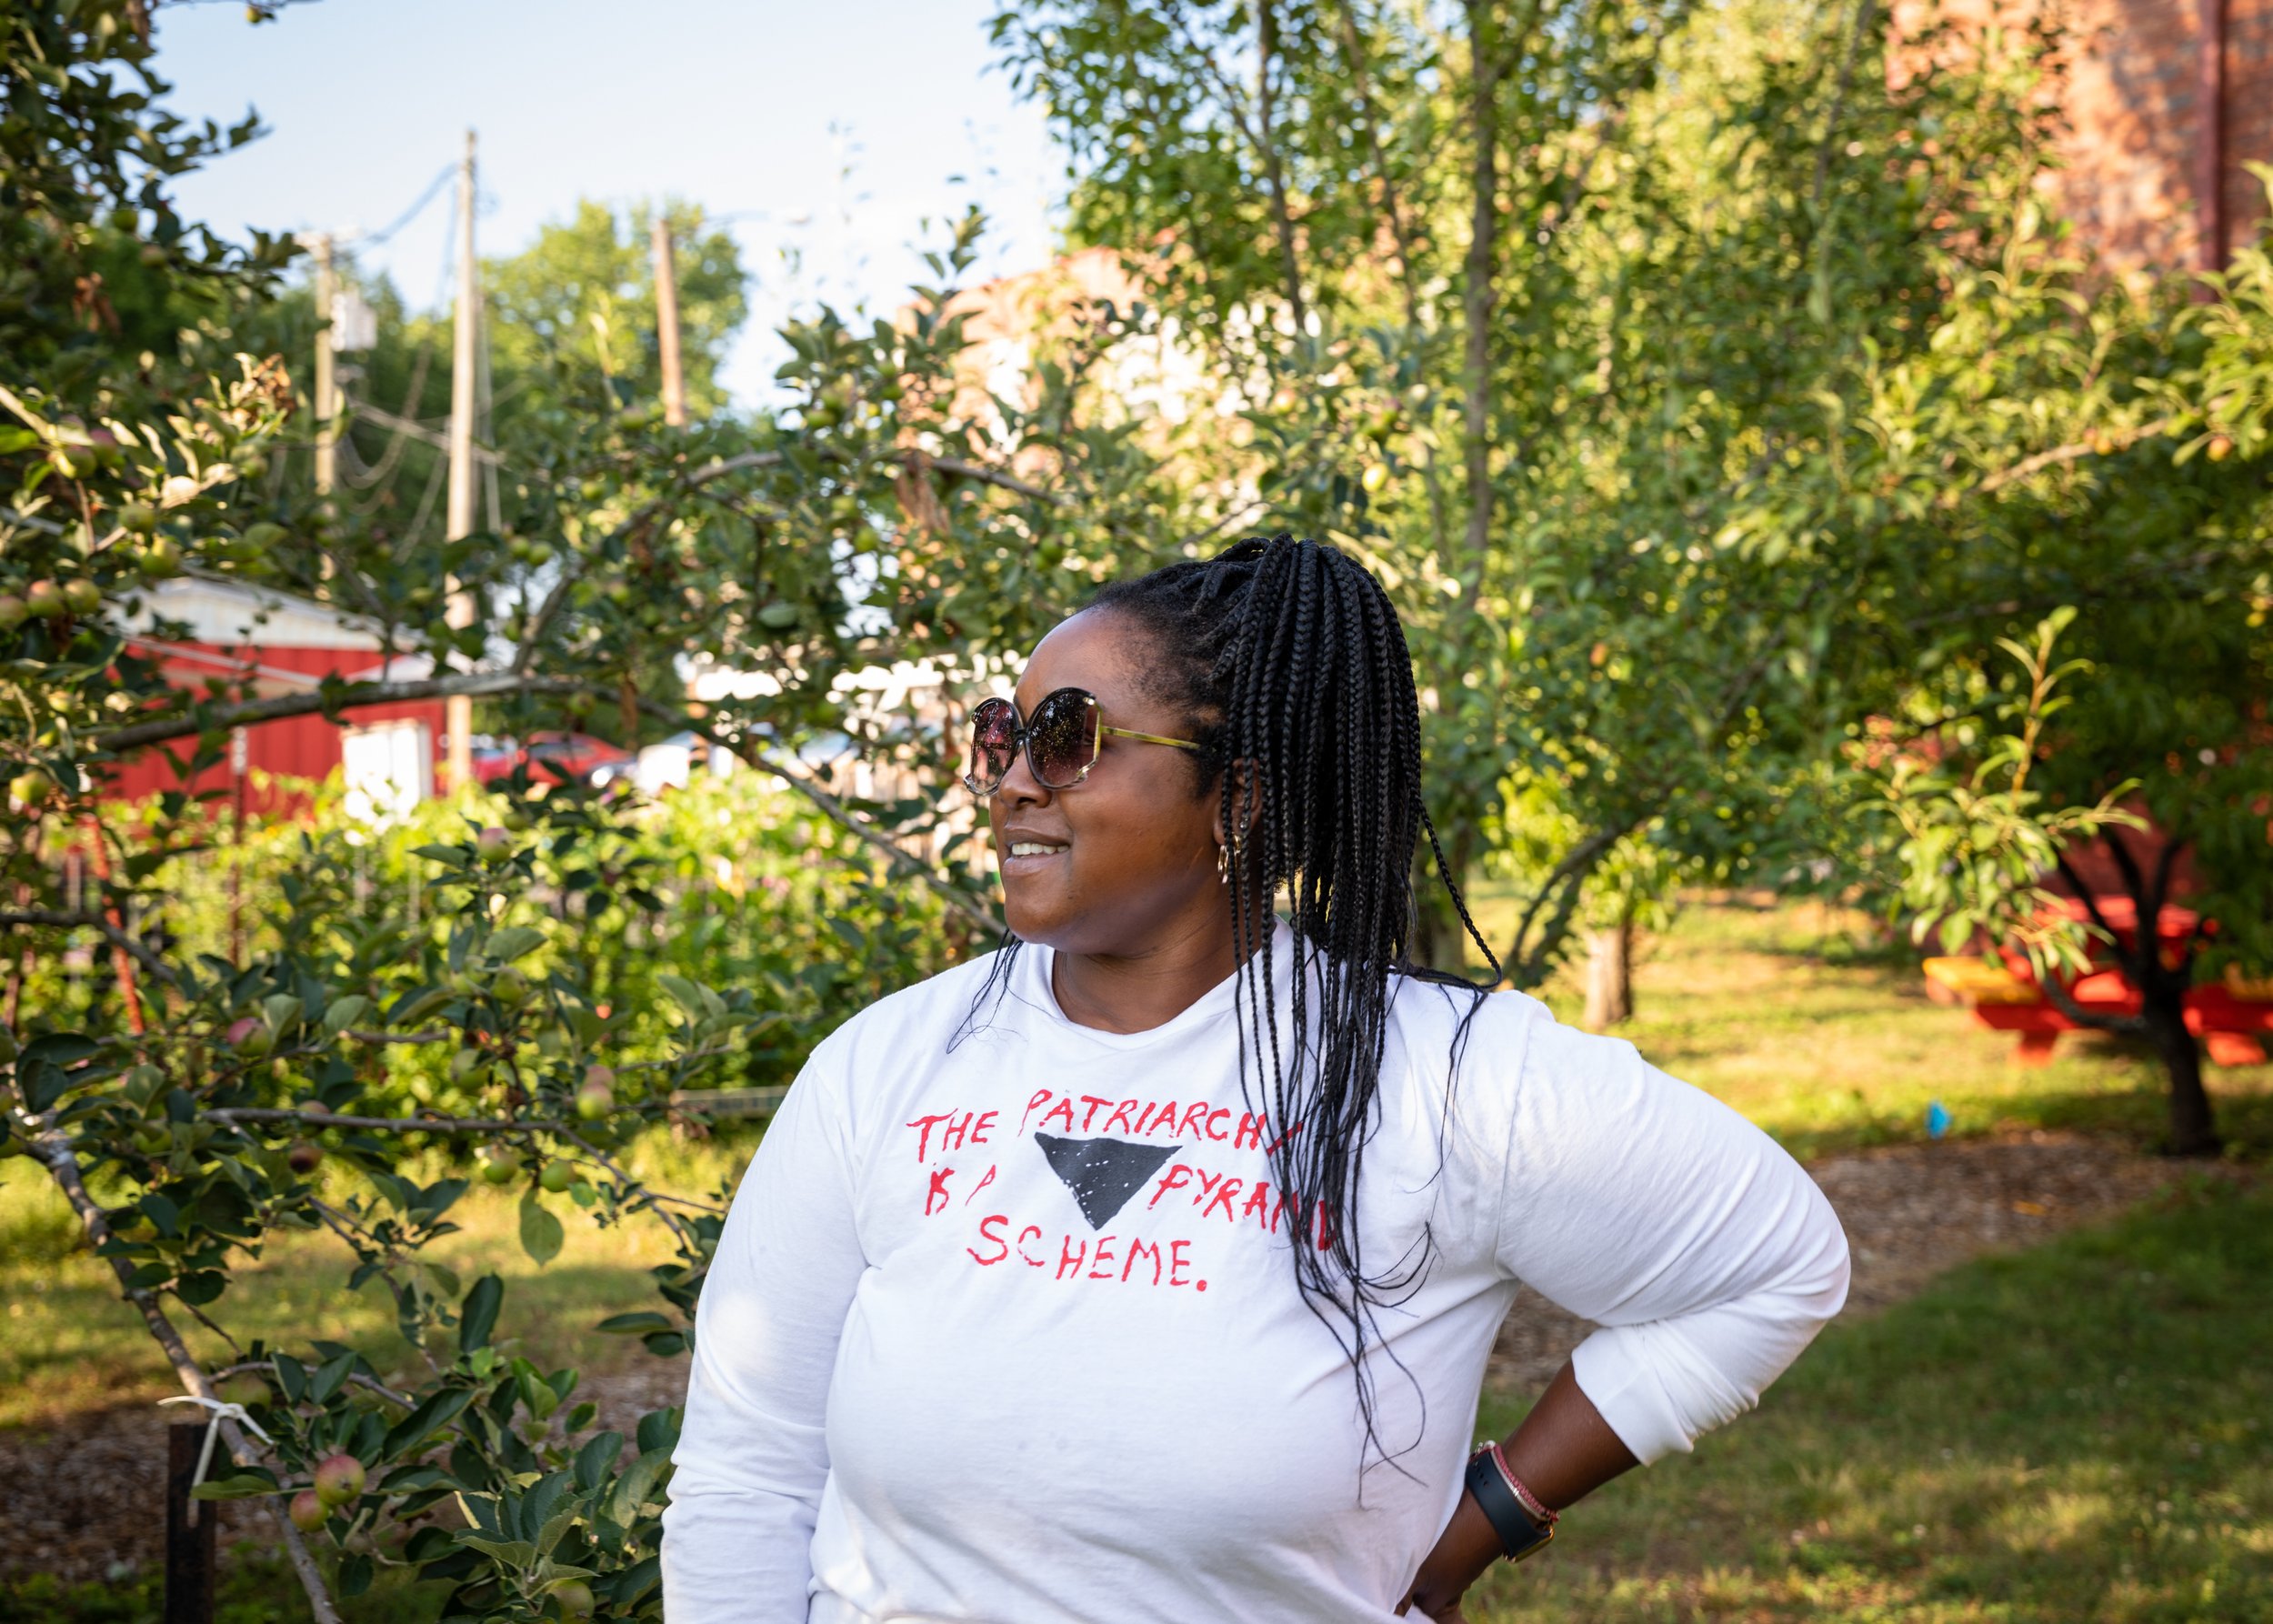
point(72, 1344)
point(2072, 1434)
point(2080, 1432)
point(1804, 1019)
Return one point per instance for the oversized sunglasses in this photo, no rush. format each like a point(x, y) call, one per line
point(1061, 739)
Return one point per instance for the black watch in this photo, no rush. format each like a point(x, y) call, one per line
point(1519, 1533)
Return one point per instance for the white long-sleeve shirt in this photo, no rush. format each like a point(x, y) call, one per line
point(1011, 1333)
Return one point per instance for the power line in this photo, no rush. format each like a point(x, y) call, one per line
point(434, 186)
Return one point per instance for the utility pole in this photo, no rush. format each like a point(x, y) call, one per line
point(666, 324)
point(458, 710)
point(327, 385)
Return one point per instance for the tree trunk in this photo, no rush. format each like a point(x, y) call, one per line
point(1440, 940)
point(2193, 1129)
point(1610, 976)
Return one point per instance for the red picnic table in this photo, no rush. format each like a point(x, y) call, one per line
point(2228, 1015)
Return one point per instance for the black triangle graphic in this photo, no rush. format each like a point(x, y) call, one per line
point(1102, 1173)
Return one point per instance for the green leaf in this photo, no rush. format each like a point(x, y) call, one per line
point(437, 1412)
point(478, 1317)
point(684, 993)
point(636, 1487)
point(541, 1234)
point(292, 1376)
point(201, 1287)
point(414, 1006)
point(515, 941)
point(597, 1456)
point(625, 1325)
point(237, 1486)
point(331, 1377)
point(345, 1012)
point(512, 1553)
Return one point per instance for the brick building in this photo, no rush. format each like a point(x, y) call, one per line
point(2165, 101)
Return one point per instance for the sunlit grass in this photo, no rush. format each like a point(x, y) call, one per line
point(71, 1344)
point(2083, 1431)
point(1805, 1018)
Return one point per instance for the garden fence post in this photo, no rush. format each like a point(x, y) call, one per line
point(190, 1527)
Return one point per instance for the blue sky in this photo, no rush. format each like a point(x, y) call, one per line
point(831, 129)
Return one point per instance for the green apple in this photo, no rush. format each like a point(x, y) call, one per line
point(500, 1165)
point(46, 600)
point(556, 1176)
point(161, 558)
point(14, 611)
point(1375, 479)
point(264, 535)
point(82, 597)
point(574, 1597)
point(30, 787)
point(257, 1043)
point(467, 1063)
point(492, 843)
point(304, 1159)
point(510, 988)
point(139, 517)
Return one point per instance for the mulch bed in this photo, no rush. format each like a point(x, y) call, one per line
point(82, 1500)
point(1911, 1211)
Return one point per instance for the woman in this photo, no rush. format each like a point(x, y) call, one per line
point(1146, 1268)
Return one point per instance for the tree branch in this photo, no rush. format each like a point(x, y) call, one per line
point(1838, 98)
point(350, 697)
point(2058, 454)
point(117, 938)
point(2056, 994)
point(1354, 54)
point(369, 1383)
point(55, 1153)
point(1235, 103)
point(1567, 876)
point(712, 471)
point(1479, 292)
point(757, 756)
point(513, 682)
point(235, 1114)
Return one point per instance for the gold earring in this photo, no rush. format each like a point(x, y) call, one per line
point(1223, 864)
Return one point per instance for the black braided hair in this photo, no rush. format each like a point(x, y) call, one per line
point(1290, 665)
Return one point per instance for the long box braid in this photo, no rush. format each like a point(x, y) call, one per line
point(1289, 661)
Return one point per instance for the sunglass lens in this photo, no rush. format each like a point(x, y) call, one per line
point(994, 733)
point(1064, 737)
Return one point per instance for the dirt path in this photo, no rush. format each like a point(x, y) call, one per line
point(81, 1500)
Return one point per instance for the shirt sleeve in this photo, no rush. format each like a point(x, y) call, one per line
point(752, 1454)
point(1702, 1250)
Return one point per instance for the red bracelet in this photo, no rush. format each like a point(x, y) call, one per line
point(1531, 1502)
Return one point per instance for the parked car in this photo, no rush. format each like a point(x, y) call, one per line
point(558, 757)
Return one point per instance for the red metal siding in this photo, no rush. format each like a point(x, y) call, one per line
point(294, 747)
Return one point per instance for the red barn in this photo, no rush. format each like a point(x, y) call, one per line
point(284, 645)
